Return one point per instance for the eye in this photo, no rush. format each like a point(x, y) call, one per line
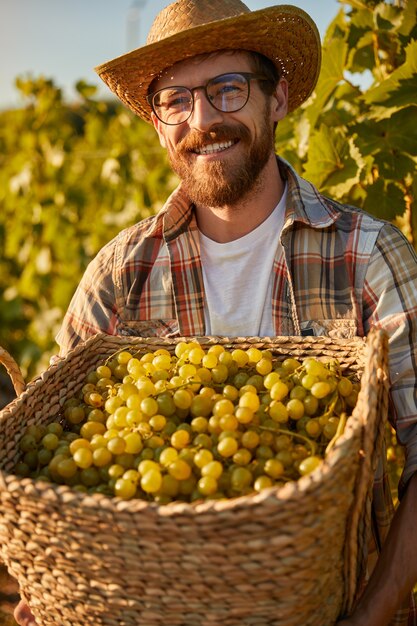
point(229, 88)
point(178, 101)
point(226, 87)
point(172, 99)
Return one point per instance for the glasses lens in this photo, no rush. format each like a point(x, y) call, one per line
point(228, 92)
point(173, 106)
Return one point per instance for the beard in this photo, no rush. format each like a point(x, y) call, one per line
point(223, 183)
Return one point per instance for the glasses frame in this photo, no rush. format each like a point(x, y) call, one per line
point(248, 76)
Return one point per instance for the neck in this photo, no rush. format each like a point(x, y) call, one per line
point(227, 223)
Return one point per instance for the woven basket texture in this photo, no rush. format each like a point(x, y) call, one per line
point(286, 556)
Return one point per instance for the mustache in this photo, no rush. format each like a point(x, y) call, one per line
point(196, 139)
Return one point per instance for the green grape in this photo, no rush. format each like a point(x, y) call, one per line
point(116, 445)
point(321, 389)
point(28, 443)
point(102, 457)
point(50, 441)
point(279, 390)
point(35, 431)
point(151, 482)
point(242, 456)
point(220, 373)
point(83, 457)
point(289, 365)
point(179, 469)
point(227, 446)
point(311, 405)
point(244, 415)
point(75, 414)
point(22, 469)
point(262, 482)
point(278, 411)
point(207, 485)
point(170, 486)
point(166, 405)
point(31, 459)
point(241, 477)
point(67, 468)
point(90, 476)
point(134, 443)
point(295, 409)
point(309, 464)
point(55, 428)
point(250, 439)
point(45, 456)
point(213, 469)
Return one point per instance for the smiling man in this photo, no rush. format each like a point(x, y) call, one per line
point(244, 246)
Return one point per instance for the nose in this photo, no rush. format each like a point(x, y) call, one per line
point(204, 115)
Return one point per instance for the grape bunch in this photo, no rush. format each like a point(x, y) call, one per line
point(199, 423)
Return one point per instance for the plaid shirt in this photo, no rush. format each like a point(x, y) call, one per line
point(339, 272)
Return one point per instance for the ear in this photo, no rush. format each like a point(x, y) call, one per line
point(159, 127)
point(279, 106)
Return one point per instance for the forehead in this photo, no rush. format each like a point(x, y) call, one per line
point(203, 67)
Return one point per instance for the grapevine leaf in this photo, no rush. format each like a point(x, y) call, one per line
point(396, 134)
point(330, 164)
point(362, 19)
point(398, 87)
point(394, 165)
point(387, 16)
point(85, 89)
point(334, 58)
point(409, 13)
point(384, 200)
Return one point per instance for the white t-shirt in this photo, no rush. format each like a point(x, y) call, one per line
point(238, 279)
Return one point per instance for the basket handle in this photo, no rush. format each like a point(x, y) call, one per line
point(375, 381)
point(13, 370)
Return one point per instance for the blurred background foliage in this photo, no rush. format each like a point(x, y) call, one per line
point(73, 175)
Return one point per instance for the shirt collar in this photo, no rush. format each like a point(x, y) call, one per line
point(304, 202)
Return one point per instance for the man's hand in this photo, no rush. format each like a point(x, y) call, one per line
point(23, 615)
point(395, 572)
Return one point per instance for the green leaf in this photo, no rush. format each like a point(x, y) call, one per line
point(331, 165)
point(85, 90)
point(334, 58)
point(399, 84)
point(395, 135)
point(362, 19)
point(409, 18)
point(387, 16)
point(394, 165)
point(384, 200)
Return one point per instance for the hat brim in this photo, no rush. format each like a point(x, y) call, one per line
point(285, 34)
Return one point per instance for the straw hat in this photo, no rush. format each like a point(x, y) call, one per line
point(285, 34)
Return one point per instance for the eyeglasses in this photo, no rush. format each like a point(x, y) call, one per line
point(227, 93)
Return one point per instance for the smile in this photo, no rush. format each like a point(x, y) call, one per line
point(214, 147)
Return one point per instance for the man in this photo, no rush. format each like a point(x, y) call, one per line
point(246, 247)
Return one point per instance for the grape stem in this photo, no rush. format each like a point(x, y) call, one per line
point(339, 432)
point(290, 433)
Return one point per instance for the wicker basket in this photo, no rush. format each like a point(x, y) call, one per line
point(285, 556)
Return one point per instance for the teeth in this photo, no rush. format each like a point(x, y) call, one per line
point(214, 147)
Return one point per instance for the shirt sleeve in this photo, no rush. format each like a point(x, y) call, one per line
point(390, 303)
point(93, 307)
